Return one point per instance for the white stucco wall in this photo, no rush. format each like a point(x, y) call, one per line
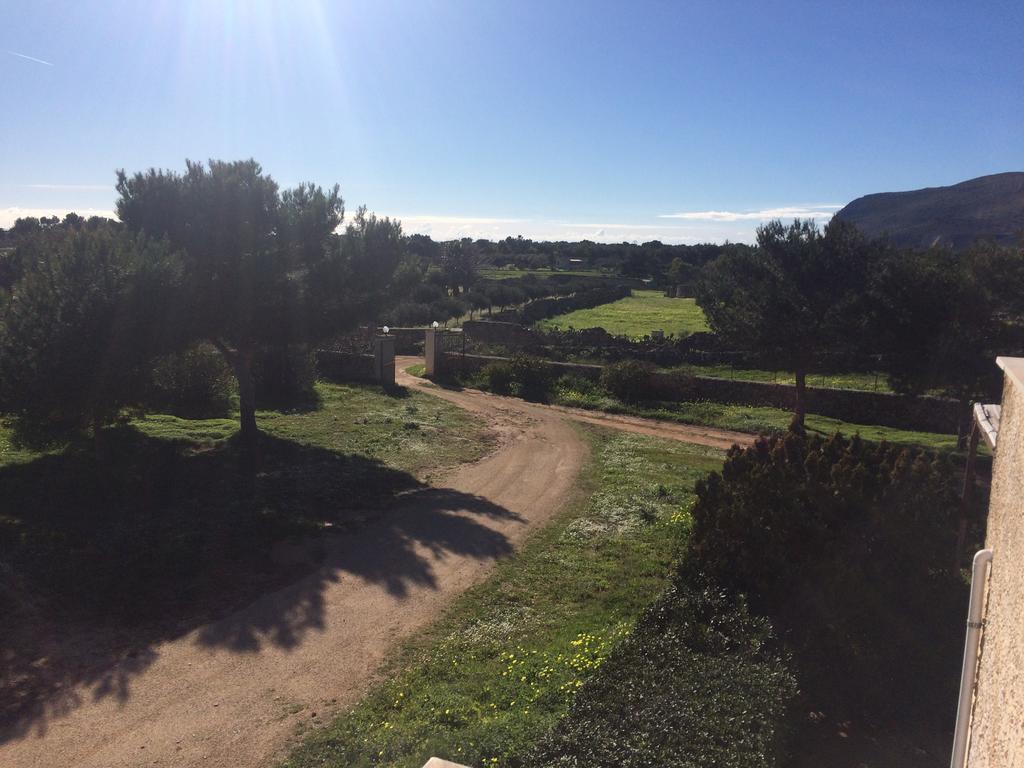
point(997, 730)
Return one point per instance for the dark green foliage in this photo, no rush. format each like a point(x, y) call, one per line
point(285, 378)
point(846, 545)
point(79, 327)
point(261, 269)
point(935, 320)
point(371, 251)
point(498, 378)
point(446, 308)
point(505, 295)
point(193, 384)
point(478, 301)
point(408, 314)
point(800, 294)
point(532, 376)
point(629, 380)
point(696, 684)
point(458, 265)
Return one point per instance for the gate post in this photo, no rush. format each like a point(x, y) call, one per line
point(432, 350)
point(384, 360)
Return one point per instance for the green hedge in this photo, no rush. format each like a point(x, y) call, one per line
point(847, 546)
point(696, 684)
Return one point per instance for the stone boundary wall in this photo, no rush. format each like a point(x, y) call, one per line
point(504, 334)
point(345, 366)
point(472, 363)
point(924, 414)
point(539, 309)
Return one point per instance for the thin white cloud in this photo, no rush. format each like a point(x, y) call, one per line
point(9, 215)
point(69, 186)
point(823, 211)
point(449, 227)
point(453, 220)
point(30, 58)
point(605, 225)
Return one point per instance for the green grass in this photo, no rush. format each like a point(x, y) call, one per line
point(752, 419)
point(417, 369)
point(864, 381)
point(172, 508)
point(411, 431)
point(635, 316)
point(503, 665)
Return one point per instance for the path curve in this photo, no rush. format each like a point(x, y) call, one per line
point(238, 701)
point(232, 693)
point(474, 399)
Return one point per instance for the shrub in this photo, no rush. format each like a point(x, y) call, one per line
point(497, 378)
point(410, 314)
point(447, 308)
point(194, 384)
point(629, 380)
point(846, 545)
point(285, 378)
point(696, 684)
point(532, 376)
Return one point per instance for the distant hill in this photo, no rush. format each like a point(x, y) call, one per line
point(989, 207)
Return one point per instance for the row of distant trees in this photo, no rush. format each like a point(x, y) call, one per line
point(805, 298)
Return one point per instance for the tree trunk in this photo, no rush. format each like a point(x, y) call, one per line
point(241, 363)
point(801, 397)
point(246, 397)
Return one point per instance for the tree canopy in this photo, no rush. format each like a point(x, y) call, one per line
point(799, 295)
point(248, 253)
point(80, 325)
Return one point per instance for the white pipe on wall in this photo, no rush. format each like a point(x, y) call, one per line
point(982, 560)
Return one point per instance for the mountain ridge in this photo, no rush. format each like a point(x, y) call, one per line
point(984, 208)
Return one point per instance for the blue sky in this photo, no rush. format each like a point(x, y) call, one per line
point(678, 121)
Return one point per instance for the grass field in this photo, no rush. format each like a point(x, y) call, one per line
point(635, 316)
point(752, 419)
point(170, 511)
point(866, 381)
point(502, 666)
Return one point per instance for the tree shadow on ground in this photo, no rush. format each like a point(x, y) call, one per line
point(100, 561)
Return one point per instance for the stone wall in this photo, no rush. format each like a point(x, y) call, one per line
point(925, 414)
point(471, 363)
point(539, 309)
point(511, 335)
point(997, 729)
point(345, 366)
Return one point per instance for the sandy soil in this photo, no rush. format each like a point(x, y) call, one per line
point(232, 693)
point(475, 400)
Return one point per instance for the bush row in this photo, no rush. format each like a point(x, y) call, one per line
point(198, 383)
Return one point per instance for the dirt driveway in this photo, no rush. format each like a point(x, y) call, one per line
point(232, 693)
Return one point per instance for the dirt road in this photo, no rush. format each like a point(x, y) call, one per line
point(481, 401)
point(233, 692)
